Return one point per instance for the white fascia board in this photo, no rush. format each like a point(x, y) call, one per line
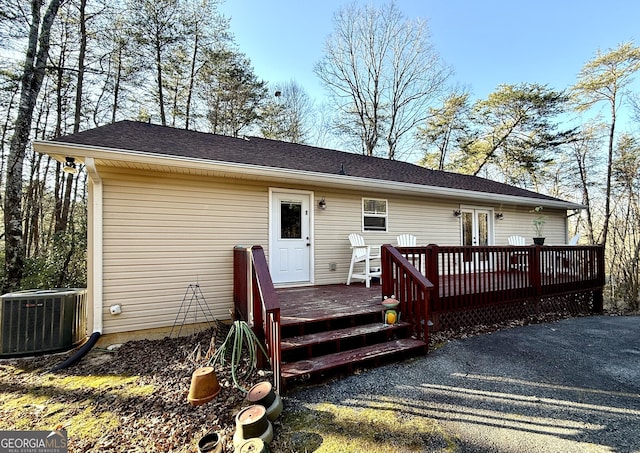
point(60, 150)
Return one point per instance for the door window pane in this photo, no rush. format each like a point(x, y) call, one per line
point(483, 228)
point(467, 228)
point(290, 220)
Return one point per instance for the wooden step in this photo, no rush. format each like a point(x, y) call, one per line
point(351, 357)
point(330, 321)
point(337, 312)
point(302, 341)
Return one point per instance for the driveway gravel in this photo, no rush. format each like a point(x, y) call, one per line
point(567, 386)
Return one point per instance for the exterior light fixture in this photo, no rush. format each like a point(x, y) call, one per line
point(70, 166)
point(499, 215)
point(457, 213)
point(322, 204)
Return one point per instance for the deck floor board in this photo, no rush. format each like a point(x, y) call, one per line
point(316, 303)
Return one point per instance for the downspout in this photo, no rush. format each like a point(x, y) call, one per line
point(96, 265)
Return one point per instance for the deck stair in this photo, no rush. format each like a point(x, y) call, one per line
point(340, 339)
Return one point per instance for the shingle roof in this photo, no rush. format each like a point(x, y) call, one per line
point(169, 141)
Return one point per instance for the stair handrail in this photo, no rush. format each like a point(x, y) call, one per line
point(412, 289)
point(253, 287)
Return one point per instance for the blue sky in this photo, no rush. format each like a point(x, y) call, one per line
point(487, 42)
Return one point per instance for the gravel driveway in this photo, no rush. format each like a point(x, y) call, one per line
point(568, 386)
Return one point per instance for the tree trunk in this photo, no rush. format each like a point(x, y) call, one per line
point(607, 201)
point(81, 57)
point(63, 202)
point(163, 117)
point(116, 86)
point(192, 78)
point(33, 73)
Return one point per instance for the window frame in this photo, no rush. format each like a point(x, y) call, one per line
point(366, 214)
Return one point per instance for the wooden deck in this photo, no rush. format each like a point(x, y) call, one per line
point(312, 330)
point(324, 303)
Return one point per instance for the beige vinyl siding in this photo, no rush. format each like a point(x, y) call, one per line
point(164, 232)
point(518, 221)
point(431, 221)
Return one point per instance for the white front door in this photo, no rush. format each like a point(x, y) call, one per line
point(290, 246)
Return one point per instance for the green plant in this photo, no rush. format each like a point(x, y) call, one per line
point(538, 221)
point(240, 338)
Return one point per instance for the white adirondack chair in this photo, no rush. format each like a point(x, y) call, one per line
point(516, 240)
point(406, 240)
point(409, 240)
point(518, 260)
point(361, 253)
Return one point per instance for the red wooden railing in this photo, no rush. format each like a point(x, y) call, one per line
point(474, 277)
point(411, 288)
point(431, 280)
point(257, 303)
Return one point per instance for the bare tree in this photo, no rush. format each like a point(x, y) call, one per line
point(624, 250)
point(583, 173)
point(36, 57)
point(287, 116)
point(605, 79)
point(382, 73)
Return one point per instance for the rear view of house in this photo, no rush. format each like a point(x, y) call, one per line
point(167, 207)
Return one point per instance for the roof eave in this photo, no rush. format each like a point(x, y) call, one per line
point(59, 150)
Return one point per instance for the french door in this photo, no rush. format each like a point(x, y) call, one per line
point(477, 230)
point(476, 226)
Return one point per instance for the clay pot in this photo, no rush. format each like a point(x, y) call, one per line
point(210, 443)
point(204, 386)
point(252, 422)
point(263, 394)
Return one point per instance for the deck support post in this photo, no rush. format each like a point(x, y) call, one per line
point(597, 301)
point(534, 269)
point(432, 272)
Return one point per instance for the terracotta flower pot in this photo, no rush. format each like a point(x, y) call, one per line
point(204, 386)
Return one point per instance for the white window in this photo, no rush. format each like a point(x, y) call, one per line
point(374, 214)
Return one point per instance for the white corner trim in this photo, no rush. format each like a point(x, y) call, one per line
point(97, 269)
